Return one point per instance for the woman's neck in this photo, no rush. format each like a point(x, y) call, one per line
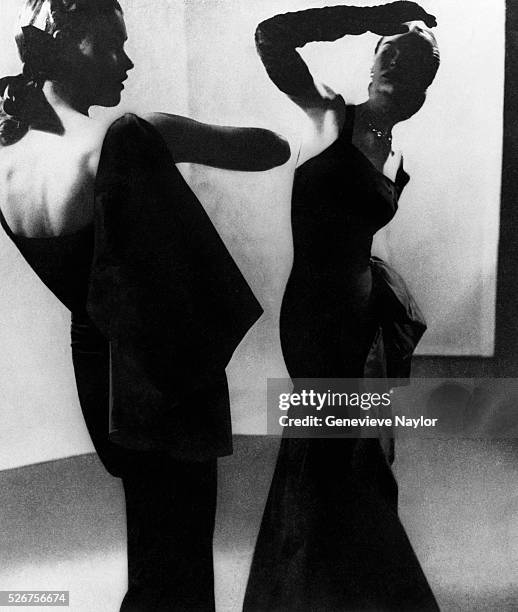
point(63, 99)
point(56, 109)
point(377, 115)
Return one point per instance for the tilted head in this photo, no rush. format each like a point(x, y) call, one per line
point(404, 67)
point(78, 44)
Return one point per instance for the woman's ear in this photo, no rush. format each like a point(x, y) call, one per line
point(66, 43)
point(66, 36)
point(61, 43)
point(59, 36)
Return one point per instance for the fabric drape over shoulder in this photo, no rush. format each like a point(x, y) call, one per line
point(169, 297)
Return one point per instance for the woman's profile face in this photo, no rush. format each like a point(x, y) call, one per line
point(98, 62)
point(404, 66)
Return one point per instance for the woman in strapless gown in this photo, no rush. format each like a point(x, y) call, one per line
point(330, 538)
point(158, 305)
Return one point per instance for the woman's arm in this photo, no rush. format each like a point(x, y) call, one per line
point(278, 38)
point(231, 148)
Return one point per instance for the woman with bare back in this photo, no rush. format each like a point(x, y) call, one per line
point(106, 221)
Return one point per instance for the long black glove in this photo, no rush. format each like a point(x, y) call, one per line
point(278, 37)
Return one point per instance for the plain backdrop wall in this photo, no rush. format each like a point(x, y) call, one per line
point(197, 57)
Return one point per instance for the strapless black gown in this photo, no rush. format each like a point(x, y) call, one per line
point(330, 538)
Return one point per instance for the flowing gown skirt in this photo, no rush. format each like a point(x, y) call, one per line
point(331, 539)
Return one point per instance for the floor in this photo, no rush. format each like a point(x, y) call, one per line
point(62, 525)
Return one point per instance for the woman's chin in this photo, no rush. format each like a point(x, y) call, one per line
point(109, 100)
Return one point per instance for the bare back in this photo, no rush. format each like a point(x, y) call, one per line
point(47, 180)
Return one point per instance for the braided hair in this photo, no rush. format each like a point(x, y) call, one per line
point(38, 47)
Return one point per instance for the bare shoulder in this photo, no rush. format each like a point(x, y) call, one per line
point(325, 122)
point(87, 143)
point(47, 180)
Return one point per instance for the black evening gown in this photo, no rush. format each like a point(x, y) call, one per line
point(136, 283)
point(330, 538)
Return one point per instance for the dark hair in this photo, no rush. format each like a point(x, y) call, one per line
point(436, 56)
point(38, 22)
